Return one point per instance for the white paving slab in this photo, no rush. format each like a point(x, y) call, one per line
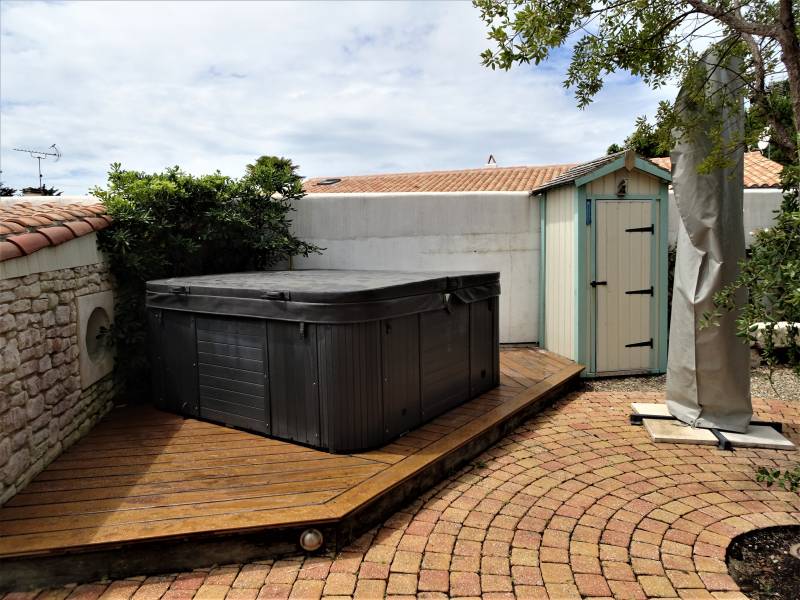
point(759, 436)
point(675, 432)
point(654, 409)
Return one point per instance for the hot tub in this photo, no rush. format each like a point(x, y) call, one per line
point(337, 360)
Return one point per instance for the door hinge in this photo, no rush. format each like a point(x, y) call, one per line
point(651, 229)
point(648, 291)
point(647, 344)
point(596, 283)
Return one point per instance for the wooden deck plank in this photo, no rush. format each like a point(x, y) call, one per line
point(27, 505)
point(54, 542)
point(90, 519)
point(119, 443)
point(143, 475)
point(210, 454)
point(293, 454)
point(332, 480)
point(330, 462)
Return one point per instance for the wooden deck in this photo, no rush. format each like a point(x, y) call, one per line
point(142, 475)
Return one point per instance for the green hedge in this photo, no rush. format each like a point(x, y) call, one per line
point(173, 223)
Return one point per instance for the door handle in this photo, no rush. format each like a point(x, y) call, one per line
point(596, 283)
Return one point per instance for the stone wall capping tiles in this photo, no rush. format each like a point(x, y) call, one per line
point(29, 242)
point(54, 222)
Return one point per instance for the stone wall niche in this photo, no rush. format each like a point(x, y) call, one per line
point(95, 315)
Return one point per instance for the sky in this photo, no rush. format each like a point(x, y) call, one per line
point(340, 88)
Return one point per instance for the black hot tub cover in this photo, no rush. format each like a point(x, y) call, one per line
point(321, 296)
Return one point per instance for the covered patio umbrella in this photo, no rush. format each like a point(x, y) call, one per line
point(708, 370)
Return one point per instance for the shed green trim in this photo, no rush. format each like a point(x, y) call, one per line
point(542, 267)
point(654, 170)
point(580, 344)
point(591, 331)
point(625, 197)
point(616, 165)
point(602, 171)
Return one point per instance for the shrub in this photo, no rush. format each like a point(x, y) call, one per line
point(175, 224)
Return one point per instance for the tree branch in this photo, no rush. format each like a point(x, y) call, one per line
point(735, 21)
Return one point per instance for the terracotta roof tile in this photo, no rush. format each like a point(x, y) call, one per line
point(29, 242)
point(7, 227)
point(8, 251)
point(26, 227)
point(79, 228)
point(97, 223)
point(496, 179)
point(25, 221)
point(57, 235)
point(759, 172)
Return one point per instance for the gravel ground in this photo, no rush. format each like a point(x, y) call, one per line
point(786, 384)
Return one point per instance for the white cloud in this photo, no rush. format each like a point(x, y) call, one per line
point(341, 88)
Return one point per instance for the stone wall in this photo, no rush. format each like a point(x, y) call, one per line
point(43, 408)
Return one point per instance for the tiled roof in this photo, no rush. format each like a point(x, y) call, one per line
point(492, 179)
point(759, 172)
point(26, 227)
point(587, 168)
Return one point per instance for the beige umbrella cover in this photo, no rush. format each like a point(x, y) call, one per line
point(708, 370)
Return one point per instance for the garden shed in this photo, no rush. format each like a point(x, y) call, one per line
point(603, 270)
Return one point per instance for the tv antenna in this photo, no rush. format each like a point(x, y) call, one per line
point(41, 155)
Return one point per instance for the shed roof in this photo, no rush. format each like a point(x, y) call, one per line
point(759, 172)
point(587, 168)
point(26, 227)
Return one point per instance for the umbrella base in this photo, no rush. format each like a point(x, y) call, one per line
point(663, 427)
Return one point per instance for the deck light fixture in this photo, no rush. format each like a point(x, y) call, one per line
point(311, 540)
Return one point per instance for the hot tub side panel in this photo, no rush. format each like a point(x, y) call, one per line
point(294, 382)
point(350, 386)
point(444, 358)
point(402, 408)
point(484, 348)
point(174, 360)
point(231, 372)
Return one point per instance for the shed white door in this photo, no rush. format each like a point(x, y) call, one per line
point(623, 292)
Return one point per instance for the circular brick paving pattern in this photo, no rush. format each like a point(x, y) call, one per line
point(576, 503)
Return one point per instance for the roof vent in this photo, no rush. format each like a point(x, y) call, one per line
point(330, 181)
point(490, 162)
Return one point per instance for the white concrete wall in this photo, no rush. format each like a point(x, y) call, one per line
point(759, 207)
point(492, 231)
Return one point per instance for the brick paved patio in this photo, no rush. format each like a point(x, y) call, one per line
point(575, 504)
